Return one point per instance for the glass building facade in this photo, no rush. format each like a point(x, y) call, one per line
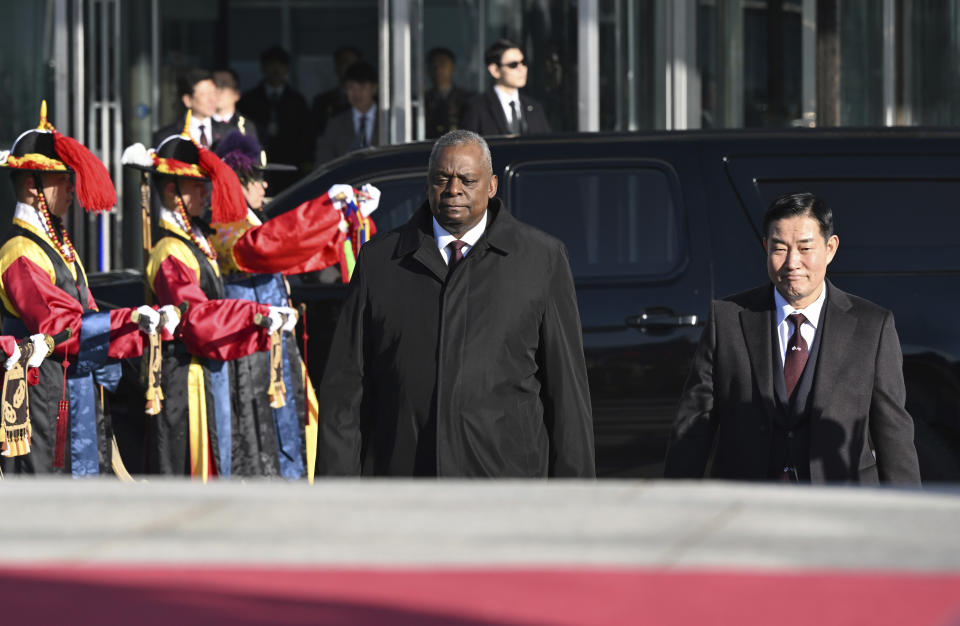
point(108, 68)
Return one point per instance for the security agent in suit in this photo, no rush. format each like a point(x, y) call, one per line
point(503, 110)
point(227, 118)
point(824, 406)
point(198, 93)
point(356, 127)
point(281, 115)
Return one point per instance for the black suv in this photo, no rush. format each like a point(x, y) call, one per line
point(659, 224)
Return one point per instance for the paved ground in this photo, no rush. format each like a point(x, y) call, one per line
point(453, 553)
point(652, 524)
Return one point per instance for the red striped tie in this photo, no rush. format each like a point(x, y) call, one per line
point(797, 353)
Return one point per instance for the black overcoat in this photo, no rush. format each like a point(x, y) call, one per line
point(860, 431)
point(479, 373)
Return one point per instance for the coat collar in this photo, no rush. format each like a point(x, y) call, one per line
point(416, 237)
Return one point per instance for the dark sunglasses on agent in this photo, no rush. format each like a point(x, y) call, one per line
point(514, 64)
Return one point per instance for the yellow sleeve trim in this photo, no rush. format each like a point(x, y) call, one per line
point(12, 250)
point(171, 246)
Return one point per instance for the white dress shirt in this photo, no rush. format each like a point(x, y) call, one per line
point(808, 330)
point(443, 238)
point(505, 101)
point(195, 124)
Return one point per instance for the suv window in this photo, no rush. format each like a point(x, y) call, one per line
point(886, 225)
point(615, 221)
point(400, 197)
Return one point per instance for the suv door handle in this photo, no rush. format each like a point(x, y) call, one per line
point(660, 321)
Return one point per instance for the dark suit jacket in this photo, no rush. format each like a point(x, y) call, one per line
point(325, 106)
point(289, 140)
point(859, 429)
point(442, 113)
point(173, 129)
point(479, 372)
point(484, 116)
point(340, 137)
point(222, 129)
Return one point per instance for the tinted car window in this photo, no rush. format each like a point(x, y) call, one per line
point(399, 199)
point(887, 225)
point(614, 221)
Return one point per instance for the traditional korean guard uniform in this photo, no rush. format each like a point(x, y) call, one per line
point(277, 433)
point(43, 290)
point(192, 433)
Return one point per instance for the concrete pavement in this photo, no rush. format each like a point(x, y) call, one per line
point(395, 523)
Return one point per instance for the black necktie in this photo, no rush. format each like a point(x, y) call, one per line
point(514, 119)
point(363, 130)
point(456, 253)
point(797, 353)
point(203, 136)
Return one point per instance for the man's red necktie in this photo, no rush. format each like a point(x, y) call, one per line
point(456, 253)
point(797, 353)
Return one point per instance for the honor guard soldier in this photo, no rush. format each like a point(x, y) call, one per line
point(192, 432)
point(43, 288)
point(278, 414)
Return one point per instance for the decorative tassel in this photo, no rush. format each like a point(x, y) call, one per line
point(63, 415)
point(95, 190)
point(278, 395)
point(277, 390)
point(154, 398)
point(94, 187)
point(227, 202)
point(153, 369)
point(16, 442)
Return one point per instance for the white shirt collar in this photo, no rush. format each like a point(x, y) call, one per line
point(28, 214)
point(812, 312)
point(443, 238)
point(195, 124)
point(505, 101)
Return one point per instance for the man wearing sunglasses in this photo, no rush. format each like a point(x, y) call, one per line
point(503, 110)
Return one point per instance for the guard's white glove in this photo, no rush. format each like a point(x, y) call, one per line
point(13, 358)
point(40, 349)
point(149, 319)
point(291, 322)
point(173, 317)
point(276, 320)
point(369, 205)
point(340, 194)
